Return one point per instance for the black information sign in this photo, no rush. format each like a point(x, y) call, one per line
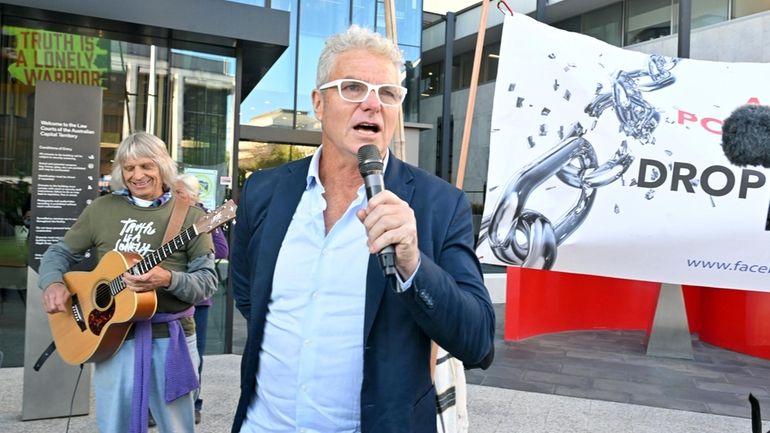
point(65, 166)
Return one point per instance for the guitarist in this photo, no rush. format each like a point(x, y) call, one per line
point(157, 364)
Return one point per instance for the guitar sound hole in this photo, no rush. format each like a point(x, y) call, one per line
point(103, 297)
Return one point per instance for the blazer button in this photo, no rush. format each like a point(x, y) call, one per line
point(426, 298)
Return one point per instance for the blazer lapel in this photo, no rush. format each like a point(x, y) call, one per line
point(288, 192)
point(398, 179)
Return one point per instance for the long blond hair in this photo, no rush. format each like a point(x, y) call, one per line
point(143, 145)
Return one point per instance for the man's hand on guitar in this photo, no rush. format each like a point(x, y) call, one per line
point(55, 298)
point(153, 279)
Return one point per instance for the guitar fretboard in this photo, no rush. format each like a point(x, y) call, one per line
point(152, 259)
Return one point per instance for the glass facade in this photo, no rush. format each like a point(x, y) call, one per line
point(647, 19)
point(432, 79)
point(644, 20)
point(189, 104)
point(652, 19)
point(285, 103)
point(741, 8)
point(703, 13)
point(604, 24)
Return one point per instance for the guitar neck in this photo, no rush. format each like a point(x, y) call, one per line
point(153, 259)
point(206, 224)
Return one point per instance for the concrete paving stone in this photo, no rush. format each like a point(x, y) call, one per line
point(557, 379)
point(624, 344)
point(616, 362)
point(724, 367)
point(518, 384)
point(696, 394)
point(596, 394)
point(553, 366)
point(546, 351)
point(722, 356)
point(741, 410)
point(514, 355)
point(474, 377)
point(750, 381)
point(502, 370)
point(616, 411)
point(661, 377)
point(598, 362)
point(702, 358)
point(659, 361)
point(731, 388)
point(617, 372)
point(668, 402)
point(595, 354)
point(628, 387)
point(535, 413)
point(683, 367)
point(763, 372)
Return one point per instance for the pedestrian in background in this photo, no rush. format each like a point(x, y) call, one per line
point(188, 188)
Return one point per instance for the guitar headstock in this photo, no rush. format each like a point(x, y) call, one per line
point(217, 217)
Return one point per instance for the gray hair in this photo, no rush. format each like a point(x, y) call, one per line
point(191, 185)
point(143, 145)
point(355, 37)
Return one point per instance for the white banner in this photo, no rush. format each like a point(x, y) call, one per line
point(606, 161)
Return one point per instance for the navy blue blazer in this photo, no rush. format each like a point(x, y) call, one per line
point(447, 302)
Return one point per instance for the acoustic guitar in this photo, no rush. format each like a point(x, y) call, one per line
point(100, 313)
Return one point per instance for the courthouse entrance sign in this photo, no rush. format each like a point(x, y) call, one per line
point(65, 173)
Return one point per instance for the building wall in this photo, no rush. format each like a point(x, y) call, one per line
point(478, 144)
point(744, 39)
point(201, 110)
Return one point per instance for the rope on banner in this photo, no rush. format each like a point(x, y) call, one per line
point(503, 7)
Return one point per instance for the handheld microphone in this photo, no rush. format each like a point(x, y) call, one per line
point(370, 166)
point(746, 136)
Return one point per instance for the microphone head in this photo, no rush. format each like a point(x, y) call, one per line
point(369, 159)
point(746, 136)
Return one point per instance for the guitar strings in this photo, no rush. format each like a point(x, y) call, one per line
point(105, 292)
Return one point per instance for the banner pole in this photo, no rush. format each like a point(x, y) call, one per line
point(472, 95)
point(390, 32)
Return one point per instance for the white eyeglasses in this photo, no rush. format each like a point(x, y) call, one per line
point(357, 91)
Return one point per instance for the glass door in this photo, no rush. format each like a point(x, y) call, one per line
point(184, 97)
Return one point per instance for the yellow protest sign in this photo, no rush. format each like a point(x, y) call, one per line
point(61, 57)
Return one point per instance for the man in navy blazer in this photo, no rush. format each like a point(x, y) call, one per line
point(333, 345)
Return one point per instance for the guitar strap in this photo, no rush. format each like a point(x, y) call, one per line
point(174, 227)
point(177, 218)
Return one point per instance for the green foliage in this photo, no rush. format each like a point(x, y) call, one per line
point(271, 155)
point(15, 197)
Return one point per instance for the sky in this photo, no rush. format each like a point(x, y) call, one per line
point(444, 6)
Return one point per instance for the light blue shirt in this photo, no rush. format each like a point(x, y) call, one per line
point(311, 360)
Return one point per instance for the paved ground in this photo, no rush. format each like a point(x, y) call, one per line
point(613, 366)
point(597, 381)
point(491, 410)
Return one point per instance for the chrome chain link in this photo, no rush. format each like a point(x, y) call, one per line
point(524, 237)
